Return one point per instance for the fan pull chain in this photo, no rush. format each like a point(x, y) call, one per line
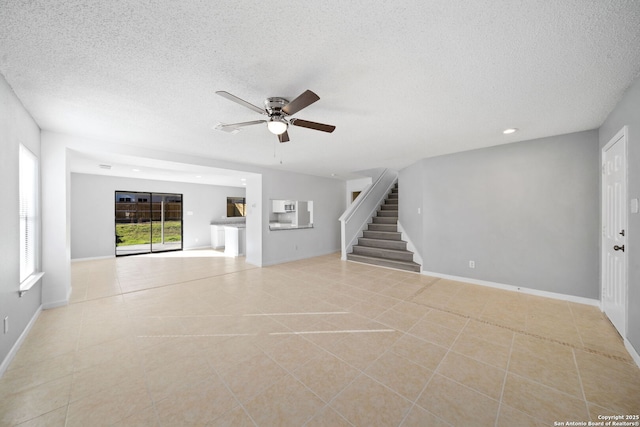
point(275, 145)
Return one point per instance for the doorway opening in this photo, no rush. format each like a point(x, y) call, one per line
point(147, 222)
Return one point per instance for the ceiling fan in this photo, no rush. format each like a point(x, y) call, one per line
point(278, 111)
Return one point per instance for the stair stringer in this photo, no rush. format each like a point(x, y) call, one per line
point(417, 258)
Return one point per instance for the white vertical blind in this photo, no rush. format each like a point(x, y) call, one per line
point(28, 212)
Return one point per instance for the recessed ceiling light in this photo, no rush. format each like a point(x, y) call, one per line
point(136, 170)
point(198, 176)
point(510, 130)
point(244, 183)
point(243, 179)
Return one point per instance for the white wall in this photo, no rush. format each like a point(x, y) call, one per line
point(16, 127)
point(92, 210)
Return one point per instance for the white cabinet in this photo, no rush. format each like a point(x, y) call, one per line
point(235, 241)
point(283, 206)
point(217, 236)
point(278, 206)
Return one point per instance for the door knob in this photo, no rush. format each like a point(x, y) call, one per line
point(618, 248)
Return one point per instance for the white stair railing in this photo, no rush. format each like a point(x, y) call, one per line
point(363, 208)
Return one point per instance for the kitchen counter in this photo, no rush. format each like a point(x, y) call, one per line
point(278, 226)
point(229, 221)
point(218, 230)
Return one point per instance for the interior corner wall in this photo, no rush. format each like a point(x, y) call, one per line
point(93, 217)
point(410, 182)
point(527, 213)
point(627, 113)
point(56, 253)
point(16, 127)
point(328, 204)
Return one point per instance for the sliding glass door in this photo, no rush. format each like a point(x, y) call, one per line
point(166, 222)
point(147, 222)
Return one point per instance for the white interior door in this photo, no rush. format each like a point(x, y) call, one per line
point(614, 230)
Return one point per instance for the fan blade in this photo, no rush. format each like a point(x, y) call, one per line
point(312, 125)
point(284, 137)
point(302, 101)
point(235, 126)
point(242, 102)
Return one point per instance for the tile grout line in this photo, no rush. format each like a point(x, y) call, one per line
point(434, 373)
point(288, 372)
point(504, 381)
point(325, 404)
point(361, 373)
point(224, 382)
point(531, 334)
point(584, 396)
point(573, 316)
point(140, 358)
point(450, 350)
point(75, 358)
point(240, 404)
point(123, 293)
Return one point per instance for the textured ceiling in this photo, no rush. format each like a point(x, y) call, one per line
point(401, 80)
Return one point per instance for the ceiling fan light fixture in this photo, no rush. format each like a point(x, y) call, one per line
point(277, 126)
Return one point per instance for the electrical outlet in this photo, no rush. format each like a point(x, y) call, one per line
point(6, 325)
point(472, 264)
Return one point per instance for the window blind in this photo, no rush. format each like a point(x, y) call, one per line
point(28, 165)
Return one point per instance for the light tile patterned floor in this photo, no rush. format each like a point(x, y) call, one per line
point(195, 339)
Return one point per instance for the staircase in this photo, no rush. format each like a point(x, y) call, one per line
point(382, 244)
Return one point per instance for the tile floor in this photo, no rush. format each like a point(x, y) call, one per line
point(196, 339)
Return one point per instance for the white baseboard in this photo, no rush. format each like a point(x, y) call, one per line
point(95, 258)
point(60, 303)
point(632, 351)
point(199, 248)
point(284, 260)
point(530, 291)
point(14, 350)
point(92, 258)
point(55, 304)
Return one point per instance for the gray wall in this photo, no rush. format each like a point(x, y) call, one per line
point(92, 210)
point(627, 112)
point(328, 204)
point(527, 213)
point(16, 126)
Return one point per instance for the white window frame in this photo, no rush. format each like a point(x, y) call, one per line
point(29, 217)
